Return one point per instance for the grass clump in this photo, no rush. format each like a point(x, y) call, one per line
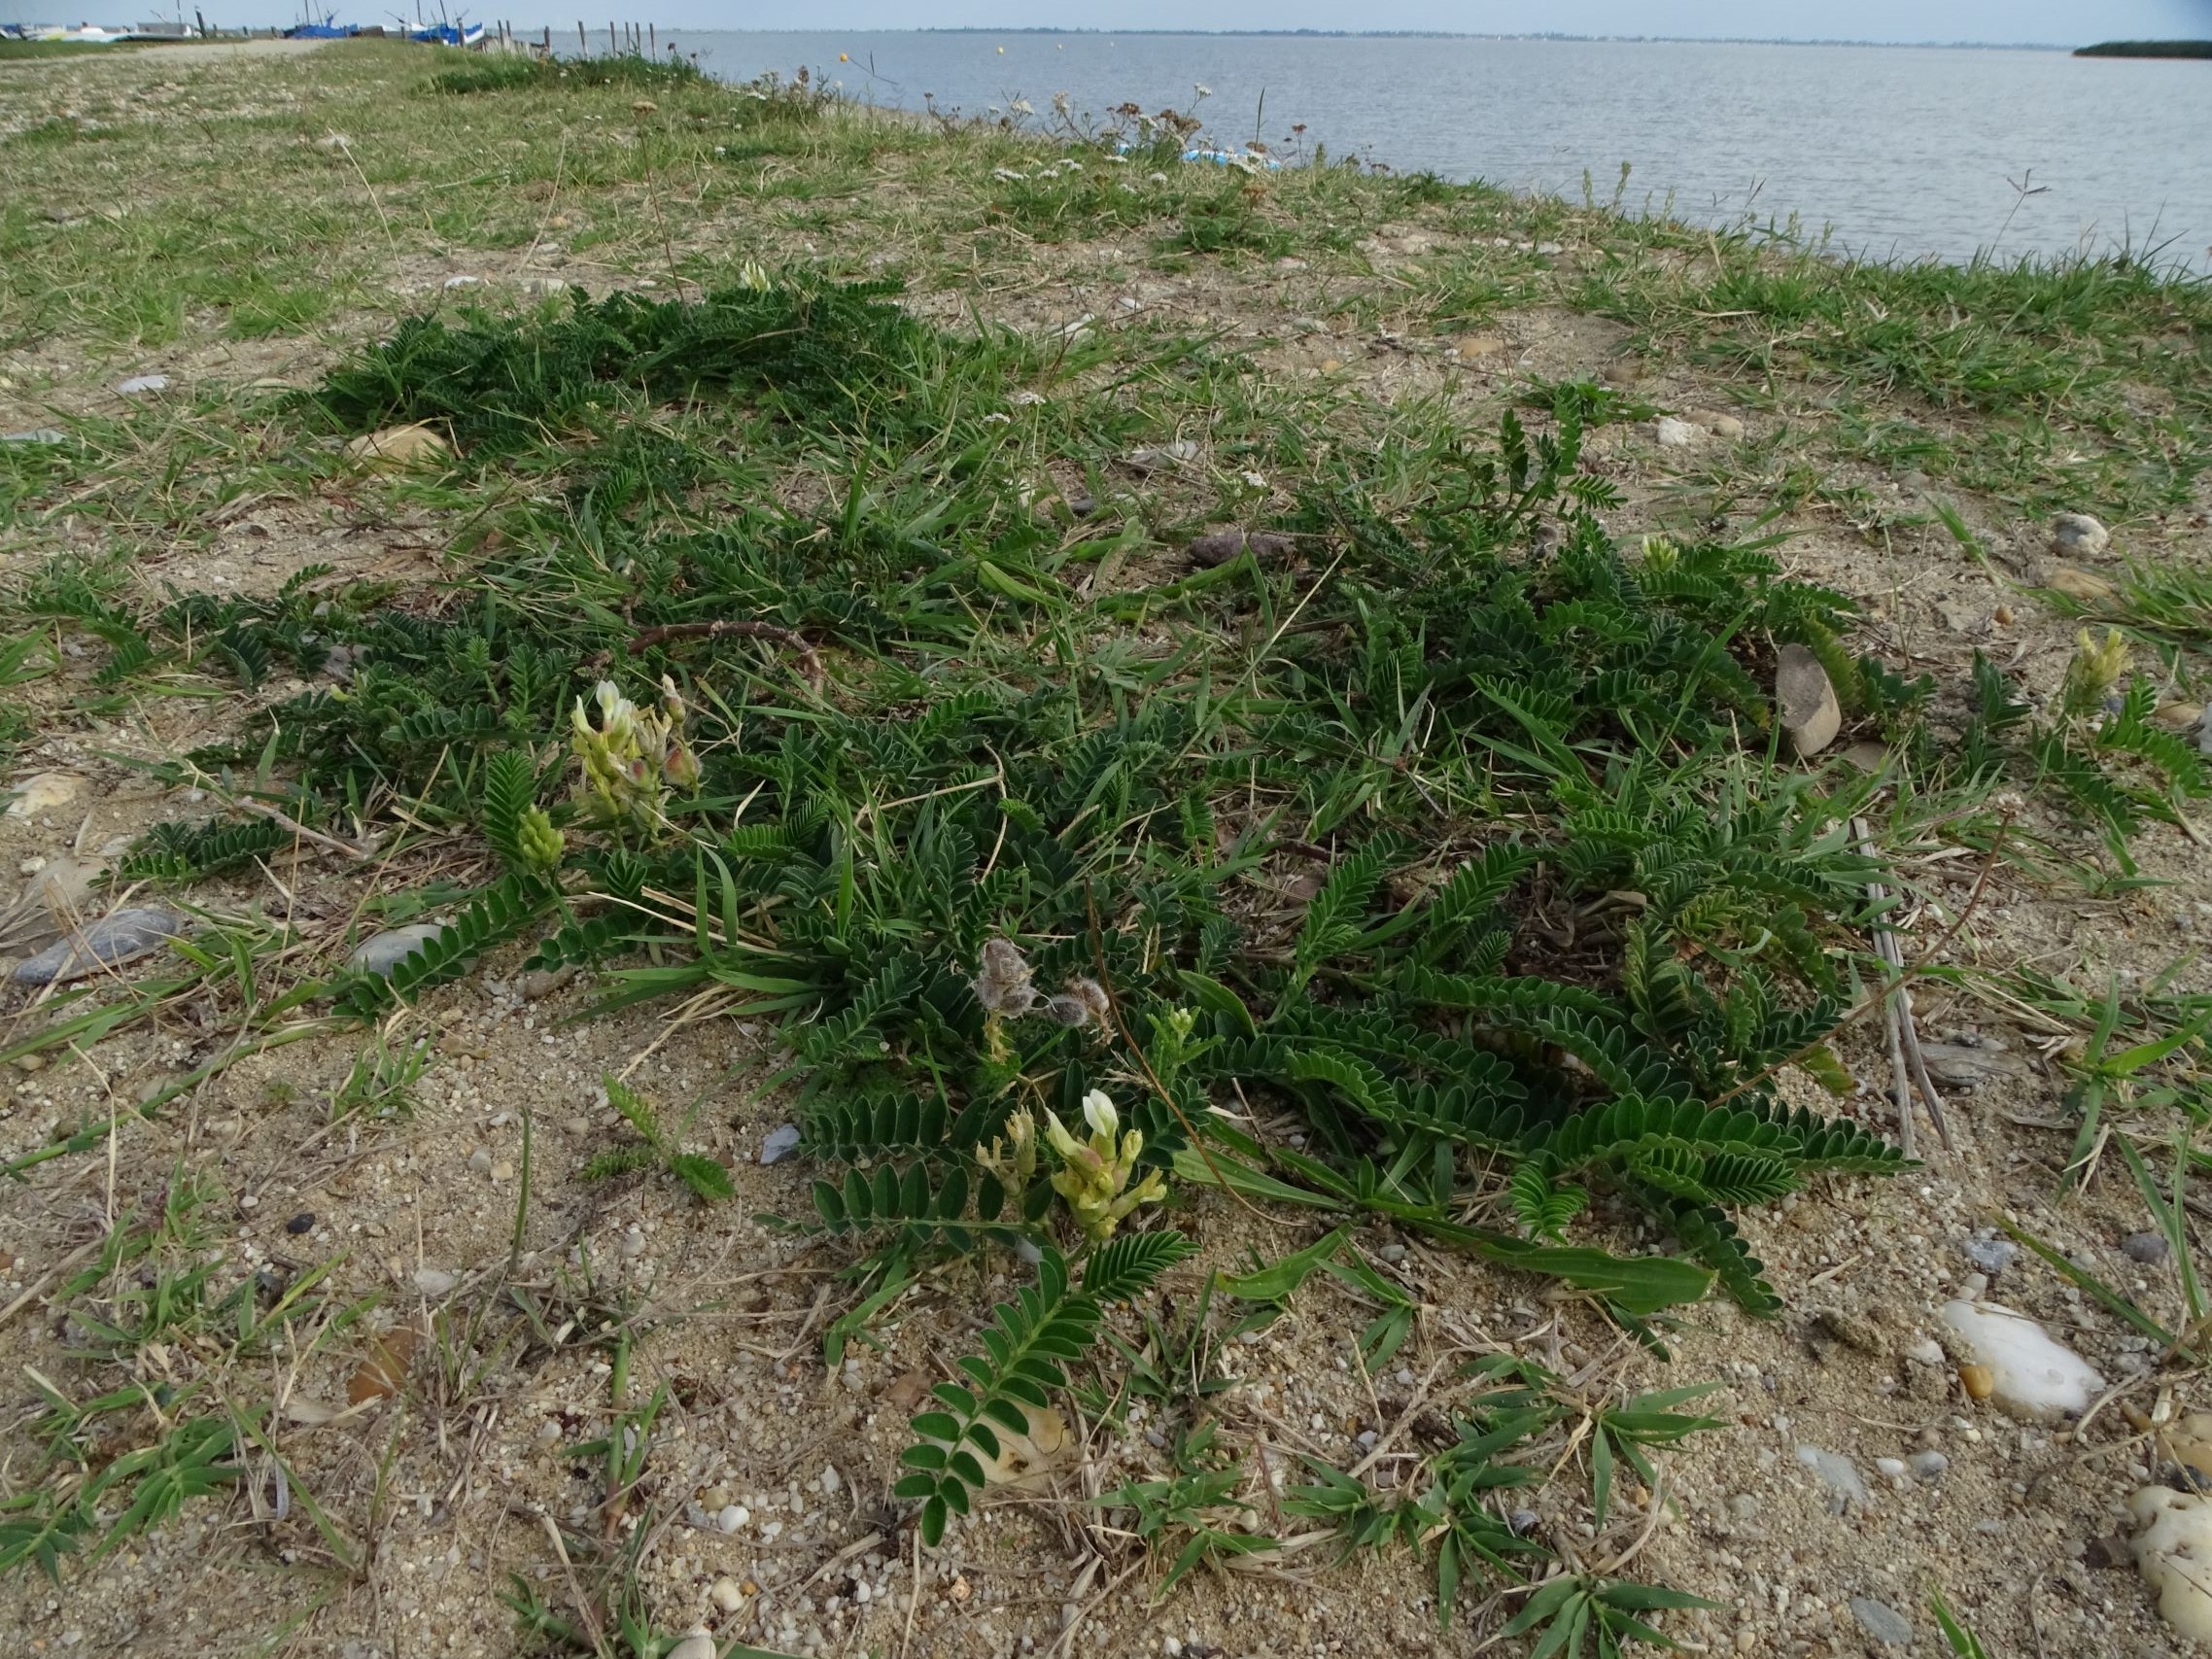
point(496, 385)
point(475, 74)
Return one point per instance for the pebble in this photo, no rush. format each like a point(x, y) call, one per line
point(1927, 1465)
point(1886, 1624)
point(381, 952)
point(1744, 1506)
point(2076, 536)
point(502, 1170)
point(727, 1595)
point(780, 1143)
point(37, 436)
point(2029, 1374)
point(2148, 1248)
point(1675, 434)
point(578, 1126)
point(633, 1244)
point(1928, 1351)
point(43, 792)
point(1726, 427)
point(1893, 1468)
point(1838, 1474)
point(1991, 1255)
point(480, 1161)
point(732, 1516)
point(695, 1644)
point(1170, 455)
point(304, 1222)
point(453, 282)
point(435, 1281)
point(141, 385)
point(121, 936)
point(541, 982)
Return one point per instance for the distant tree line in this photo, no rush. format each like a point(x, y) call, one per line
point(2147, 49)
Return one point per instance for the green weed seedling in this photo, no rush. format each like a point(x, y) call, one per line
point(1198, 1504)
point(656, 1148)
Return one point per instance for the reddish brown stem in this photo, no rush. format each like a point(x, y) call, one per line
point(809, 664)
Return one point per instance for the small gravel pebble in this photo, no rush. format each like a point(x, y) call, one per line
point(2148, 1248)
point(732, 1517)
point(304, 1222)
point(780, 1143)
point(1893, 1468)
point(1838, 1473)
point(480, 1161)
point(1886, 1624)
point(1927, 1465)
point(727, 1595)
point(1991, 1255)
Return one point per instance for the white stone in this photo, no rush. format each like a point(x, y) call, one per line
point(433, 1282)
point(780, 1143)
point(43, 793)
point(2036, 1378)
point(2174, 1554)
point(1675, 434)
point(727, 1595)
point(695, 1644)
point(140, 385)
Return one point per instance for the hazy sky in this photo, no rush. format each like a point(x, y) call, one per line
point(2062, 21)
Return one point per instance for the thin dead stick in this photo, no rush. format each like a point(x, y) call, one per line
point(285, 821)
point(584, 1608)
point(1900, 1085)
point(809, 662)
point(1905, 1058)
point(1911, 971)
point(51, 1273)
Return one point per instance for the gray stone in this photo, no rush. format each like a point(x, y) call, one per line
point(381, 952)
point(118, 937)
point(1991, 1255)
point(1927, 1466)
point(141, 385)
point(780, 1143)
point(1838, 1477)
point(2076, 536)
point(37, 434)
point(1886, 1624)
point(2148, 1248)
point(1967, 1063)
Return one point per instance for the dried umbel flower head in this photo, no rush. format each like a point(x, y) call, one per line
point(1083, 1003)
point(1003, 985)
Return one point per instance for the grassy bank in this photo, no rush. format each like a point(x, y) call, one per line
point(1207, 739)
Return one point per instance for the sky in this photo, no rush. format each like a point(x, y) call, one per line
point(1998, 21)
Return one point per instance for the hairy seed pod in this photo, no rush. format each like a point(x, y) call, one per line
point(1068, 1011)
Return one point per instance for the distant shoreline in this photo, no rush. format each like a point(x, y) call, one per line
point(2169, 49)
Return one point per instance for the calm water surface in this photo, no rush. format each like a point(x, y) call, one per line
point(1895, 152)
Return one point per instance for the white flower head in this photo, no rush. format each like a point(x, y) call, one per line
point(1098, 1112)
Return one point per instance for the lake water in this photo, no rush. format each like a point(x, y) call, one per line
point(1893, 152)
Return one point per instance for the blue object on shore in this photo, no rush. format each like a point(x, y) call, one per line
point(448, 34)
point(327, 29)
